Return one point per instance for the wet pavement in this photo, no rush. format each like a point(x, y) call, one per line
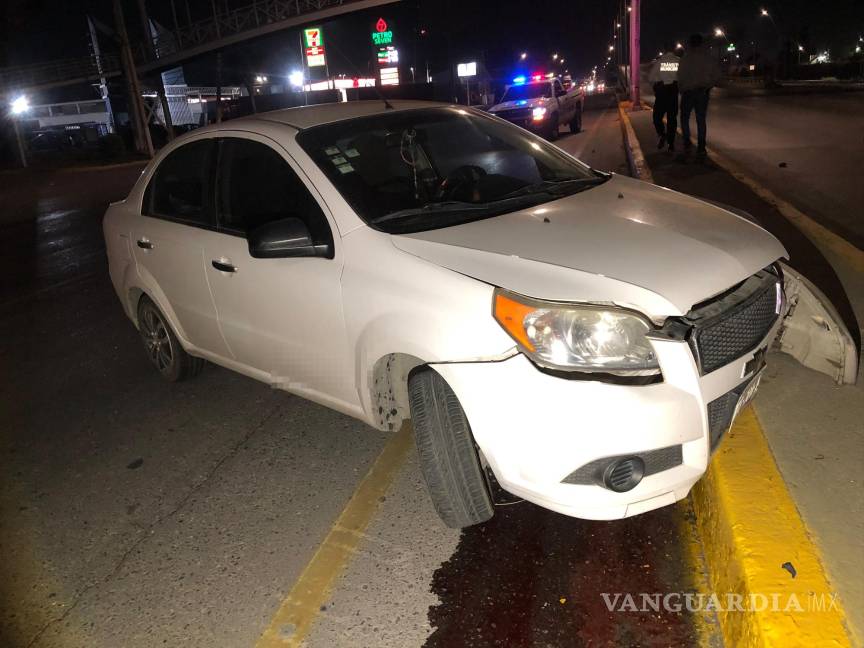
point(138, 513)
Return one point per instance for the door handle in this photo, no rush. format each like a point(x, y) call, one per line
point(145, 244)
point(222, 266)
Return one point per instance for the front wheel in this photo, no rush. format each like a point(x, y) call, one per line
point(448, 458)
point(554, 125)
point(576, 122)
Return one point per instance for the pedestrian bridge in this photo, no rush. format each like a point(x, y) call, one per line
point(184, 40)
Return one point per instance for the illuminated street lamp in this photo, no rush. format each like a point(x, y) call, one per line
point(764, 12)
point(18, 107)
point(523, 55)
point(678, 46)
point(611, 48)
point(554, 56)
point(296, 78)
point(719, 33)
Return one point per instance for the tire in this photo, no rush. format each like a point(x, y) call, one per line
point(554, 126)
point(163, 349)
point(576, 122)
point(448, 458)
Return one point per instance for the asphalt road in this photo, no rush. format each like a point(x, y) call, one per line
point(813, 143)
point(139, 513)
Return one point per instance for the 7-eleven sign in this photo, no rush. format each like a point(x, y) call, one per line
point(313, 37)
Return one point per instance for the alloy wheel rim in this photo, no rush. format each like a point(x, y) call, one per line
point(157, 341)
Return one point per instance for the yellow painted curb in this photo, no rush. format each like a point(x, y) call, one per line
point(750, 528)
point(635, 158)
point(298, 611)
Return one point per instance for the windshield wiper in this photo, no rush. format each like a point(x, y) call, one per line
point(557, 186)
point(446, 205)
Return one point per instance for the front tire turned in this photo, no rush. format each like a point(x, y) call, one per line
point(448, 458)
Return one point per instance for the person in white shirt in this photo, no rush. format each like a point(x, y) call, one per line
point(663, 78)
point(697, 74)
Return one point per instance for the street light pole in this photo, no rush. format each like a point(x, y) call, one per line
point(634, 55)
point(21, 152)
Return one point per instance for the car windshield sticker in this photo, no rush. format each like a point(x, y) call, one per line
point(345, 168)
point(338, 160)
point(332, 150)
point(352, 152)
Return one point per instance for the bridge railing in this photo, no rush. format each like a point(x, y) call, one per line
point(236, 21)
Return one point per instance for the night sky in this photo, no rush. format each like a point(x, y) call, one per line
point(493, 31)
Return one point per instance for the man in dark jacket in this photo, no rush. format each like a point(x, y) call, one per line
point(697, 74)
point(664, 80)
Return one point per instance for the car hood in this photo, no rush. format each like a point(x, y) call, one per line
point(625, 242)
point(518, 103)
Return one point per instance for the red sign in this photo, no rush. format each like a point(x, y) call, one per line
point(380, 26)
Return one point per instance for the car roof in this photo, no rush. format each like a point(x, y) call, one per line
point(308, 116)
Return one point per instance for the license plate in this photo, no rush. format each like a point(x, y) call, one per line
point(747, 395)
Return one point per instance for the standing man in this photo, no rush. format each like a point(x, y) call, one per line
point(697, 74)
point(663, 77)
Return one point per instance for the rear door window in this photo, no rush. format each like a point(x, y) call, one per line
point(182, 186)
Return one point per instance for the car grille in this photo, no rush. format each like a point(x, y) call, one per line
point(718, 338)
point(720, 412)
point(516, 114)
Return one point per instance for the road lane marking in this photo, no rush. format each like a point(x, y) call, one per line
point(750, 530)
point(298, 611)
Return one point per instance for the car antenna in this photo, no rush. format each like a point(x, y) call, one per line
point(380, 94)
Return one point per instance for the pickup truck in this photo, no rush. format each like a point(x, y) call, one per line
point(541, 106)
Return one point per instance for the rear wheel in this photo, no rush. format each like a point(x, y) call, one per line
point(576, 122)
point(448, 458)
point(163, 349)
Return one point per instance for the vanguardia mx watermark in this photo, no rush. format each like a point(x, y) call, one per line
point(729, 602)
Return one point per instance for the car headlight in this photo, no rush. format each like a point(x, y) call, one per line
point(574, 337)
point(538, 113)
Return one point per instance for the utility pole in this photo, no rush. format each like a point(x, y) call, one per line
point(634, 55)
point(143, 143)
point(22, 153)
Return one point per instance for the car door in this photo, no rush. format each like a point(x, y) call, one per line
point(565, 102)
point(281, 317)
point(177, 214)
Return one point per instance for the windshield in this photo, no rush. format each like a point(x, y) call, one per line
point(416, 170)
point(529, 91)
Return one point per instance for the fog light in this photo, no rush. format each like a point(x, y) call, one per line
point(538, 113)
point(623, 474)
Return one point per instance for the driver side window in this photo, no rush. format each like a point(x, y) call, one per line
point(257, 186)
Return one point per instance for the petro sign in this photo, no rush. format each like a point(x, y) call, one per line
point(382, 35)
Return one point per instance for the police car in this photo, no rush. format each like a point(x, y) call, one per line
point(541, 105)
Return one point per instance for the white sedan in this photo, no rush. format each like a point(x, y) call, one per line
point(582, 339)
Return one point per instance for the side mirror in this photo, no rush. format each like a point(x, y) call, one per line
point(285, 238)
